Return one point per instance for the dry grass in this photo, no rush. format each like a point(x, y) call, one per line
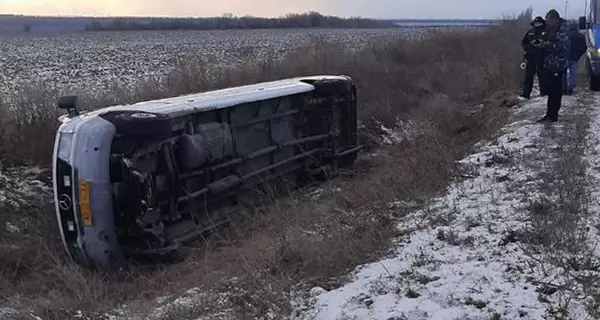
point(558, 213)
point(393, 78)
point(260, 259)
point(557, 238)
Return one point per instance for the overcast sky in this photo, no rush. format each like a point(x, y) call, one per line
point(365, 8)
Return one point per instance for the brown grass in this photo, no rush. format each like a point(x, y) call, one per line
point(393, 78)
point(297, 241)
point(556, 238)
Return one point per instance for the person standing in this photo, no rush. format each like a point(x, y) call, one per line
point(578, 49)
point(557, 48)
point(534, 57)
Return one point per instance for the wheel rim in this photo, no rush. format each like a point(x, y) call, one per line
point(143, 115)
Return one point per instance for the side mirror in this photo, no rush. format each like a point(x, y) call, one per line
point(582, 23)
point(69, 103)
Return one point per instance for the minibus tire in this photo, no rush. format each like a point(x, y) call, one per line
point(141, 124)
point(332, 86)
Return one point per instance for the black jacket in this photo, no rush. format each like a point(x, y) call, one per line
point(578, 45)
point(531, 43)
point(557, 47)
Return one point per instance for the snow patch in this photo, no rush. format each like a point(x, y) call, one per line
point(11, 228)
point(402, 130)
point(460, 261)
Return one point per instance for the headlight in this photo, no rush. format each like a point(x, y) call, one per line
point(64, 146)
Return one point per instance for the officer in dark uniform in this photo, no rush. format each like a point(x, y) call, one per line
point(534, 56)
point(556, 62)
point(578, 49)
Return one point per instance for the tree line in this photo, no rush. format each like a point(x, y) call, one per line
point(305, 20)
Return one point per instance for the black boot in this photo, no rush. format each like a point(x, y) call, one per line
point(548, 119)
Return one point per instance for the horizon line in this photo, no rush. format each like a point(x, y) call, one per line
point(225, 15)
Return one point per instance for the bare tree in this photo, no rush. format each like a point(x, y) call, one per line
point(526, 16)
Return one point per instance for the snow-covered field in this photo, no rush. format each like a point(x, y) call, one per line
point(478, 251)
point(95, 61)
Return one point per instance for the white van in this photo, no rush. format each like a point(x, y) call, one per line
point(148, 177)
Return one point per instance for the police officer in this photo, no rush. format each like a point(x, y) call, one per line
point(578, 49)
point(556, 61)
point(534, 57)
